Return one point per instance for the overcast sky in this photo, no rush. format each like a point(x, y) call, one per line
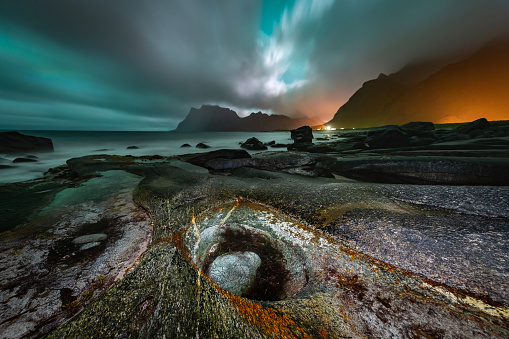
point(141, 65)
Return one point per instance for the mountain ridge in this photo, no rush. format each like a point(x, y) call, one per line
point(461, 91)
point(213, 118)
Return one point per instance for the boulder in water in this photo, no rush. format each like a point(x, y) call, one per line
point(253, 144)
point(26, 159)
point(302, 134)
point(13, 142)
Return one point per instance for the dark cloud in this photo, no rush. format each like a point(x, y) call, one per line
point(127, 64)
point(355, 41)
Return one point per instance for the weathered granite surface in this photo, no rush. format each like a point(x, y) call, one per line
point(339, 257)
point(71, 250)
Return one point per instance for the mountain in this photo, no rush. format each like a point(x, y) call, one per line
point(463, 91)
point(210, 118)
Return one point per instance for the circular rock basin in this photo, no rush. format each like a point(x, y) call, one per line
point(248, 261)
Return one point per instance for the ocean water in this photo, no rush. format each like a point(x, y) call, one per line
point(71, 144)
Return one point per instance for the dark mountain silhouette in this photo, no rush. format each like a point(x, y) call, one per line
point(210, 118)
point(473, 88)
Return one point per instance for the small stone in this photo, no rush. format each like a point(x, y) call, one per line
point(90, 238)
point(89, 245)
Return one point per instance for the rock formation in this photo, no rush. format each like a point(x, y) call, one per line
point(218, 119)
point(114, 246)
point(253, 144)
point(15, 142)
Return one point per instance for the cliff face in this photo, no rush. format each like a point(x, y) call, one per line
point(464, 91)
point(219, 119)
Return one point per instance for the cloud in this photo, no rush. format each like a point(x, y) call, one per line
point(145, 63)
point(352, 42)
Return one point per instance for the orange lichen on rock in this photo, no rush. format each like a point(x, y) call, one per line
point(323, 333)
point(266, 318)
point(177, 240)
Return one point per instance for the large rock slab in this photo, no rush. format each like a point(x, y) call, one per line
point(374, 260)
point(425, 170)
point(348, 294)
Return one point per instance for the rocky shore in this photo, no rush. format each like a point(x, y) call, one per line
point(360, 236)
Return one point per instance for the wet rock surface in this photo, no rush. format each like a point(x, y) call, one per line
point(55, 264)
point(358, 259)
point(337, 257)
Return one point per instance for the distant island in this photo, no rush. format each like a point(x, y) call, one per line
point(213, 118)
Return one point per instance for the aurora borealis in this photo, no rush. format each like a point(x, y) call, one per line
point(140, 65)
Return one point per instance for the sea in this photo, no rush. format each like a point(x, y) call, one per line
point(72, 144)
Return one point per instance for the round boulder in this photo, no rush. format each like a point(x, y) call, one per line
point(235, 272)
point(253, 144)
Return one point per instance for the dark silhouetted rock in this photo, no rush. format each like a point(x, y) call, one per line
point(302, 147)
point(302, 134)
point(306, 164)
point(479, 124)
point(202, 159)
point(348, 145)
point(202, 145)
point(422, 140)
point(17, 160)
point(425, 170)
point(133, 147)
point(454, 136)
point(389, 136)
point(253, 144)
point(417, 127)
point(319, 149)
point(13, 142)
point(278, 145)
point(185, 145)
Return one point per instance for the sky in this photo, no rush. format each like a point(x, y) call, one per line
point(141, 65)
